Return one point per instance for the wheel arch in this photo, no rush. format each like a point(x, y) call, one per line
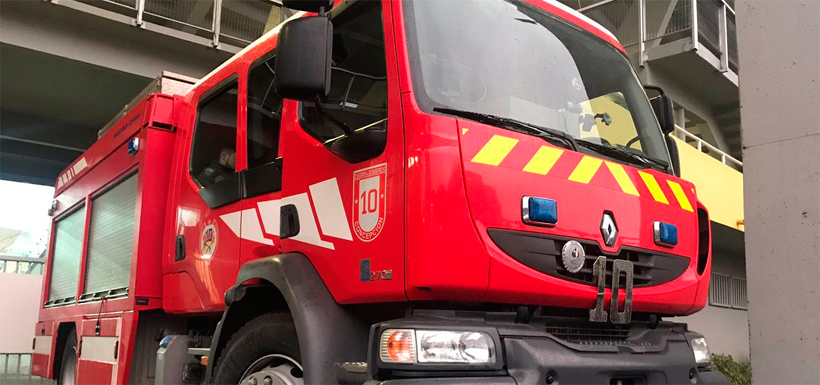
point(327, 332)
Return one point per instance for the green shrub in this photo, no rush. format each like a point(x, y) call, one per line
point(739, 373)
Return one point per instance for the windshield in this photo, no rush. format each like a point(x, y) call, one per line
point(509, 59)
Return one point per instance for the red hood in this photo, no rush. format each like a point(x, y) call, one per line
point(501, 166)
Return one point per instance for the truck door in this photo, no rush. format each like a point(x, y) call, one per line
point(346, 195)
point(262, 163)
point(208, 203)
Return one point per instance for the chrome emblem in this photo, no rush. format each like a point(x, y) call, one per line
point(608, 229)
point(572, 255)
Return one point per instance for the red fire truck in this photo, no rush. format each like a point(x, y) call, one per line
point(398, 192)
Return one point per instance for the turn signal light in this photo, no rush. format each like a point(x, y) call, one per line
point(398, 345)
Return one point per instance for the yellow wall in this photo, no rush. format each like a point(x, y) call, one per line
point(719, 186)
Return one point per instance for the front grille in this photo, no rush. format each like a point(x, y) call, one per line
point(543, 253)
point(588, 333)
point(642, 262)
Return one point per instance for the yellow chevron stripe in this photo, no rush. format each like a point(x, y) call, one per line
point(543, 160)
point(622, 178)
point(653, 187)
point(495, 150)
point(679, 194)
point(585, 170)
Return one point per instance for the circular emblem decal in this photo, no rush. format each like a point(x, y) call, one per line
point(207, 241)
point(572, 255)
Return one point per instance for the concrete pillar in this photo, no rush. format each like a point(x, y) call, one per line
point(779, 47)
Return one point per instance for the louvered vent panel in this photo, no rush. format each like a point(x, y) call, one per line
point(110, 238)
point(68, 251)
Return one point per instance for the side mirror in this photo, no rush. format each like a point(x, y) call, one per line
point(662, 106)
point(303, 54)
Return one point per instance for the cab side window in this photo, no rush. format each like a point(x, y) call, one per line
point(358, 93)
point(213, 156)
point(264, 114)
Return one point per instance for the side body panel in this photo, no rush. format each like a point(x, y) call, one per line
point(107, 163)
point(196, 283)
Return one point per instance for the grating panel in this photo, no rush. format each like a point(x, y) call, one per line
point(111, 237)
point(68, 251)
point(581, 332)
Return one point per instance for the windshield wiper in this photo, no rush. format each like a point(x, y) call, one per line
point(626, 155)
point(545, 133)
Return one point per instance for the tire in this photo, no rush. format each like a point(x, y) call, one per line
point(272, 334)
point(68, 365)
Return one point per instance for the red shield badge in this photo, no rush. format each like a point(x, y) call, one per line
point(369, 196)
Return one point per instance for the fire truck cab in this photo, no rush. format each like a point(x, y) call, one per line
point(386, 192)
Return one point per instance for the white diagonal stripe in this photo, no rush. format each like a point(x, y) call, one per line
point(233, 220)
point(329, 208)
point(269, 211)
point(308, 232)
point(251, 230)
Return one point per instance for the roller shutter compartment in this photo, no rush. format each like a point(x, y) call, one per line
point(110, 241)
point(66, 256)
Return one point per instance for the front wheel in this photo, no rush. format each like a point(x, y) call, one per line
point(263, 352)
point(68, 366)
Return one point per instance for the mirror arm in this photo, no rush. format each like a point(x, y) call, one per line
point(338, 123)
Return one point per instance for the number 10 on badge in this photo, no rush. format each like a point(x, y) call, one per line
point(369, 197)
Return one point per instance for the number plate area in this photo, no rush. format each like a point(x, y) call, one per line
point(621, 269)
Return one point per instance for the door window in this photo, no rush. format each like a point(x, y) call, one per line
point(358, 83)
point(264, 114)
point(213, 157)
point(264, 174)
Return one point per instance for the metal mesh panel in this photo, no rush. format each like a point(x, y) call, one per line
point(709, 25)
point(111, 237)
point(621, 17)
point(195, 13)
point(68, 250)
point(731, 31)
point(662, 21)
point(739, 299)
point(720, 290)
point(247, 20)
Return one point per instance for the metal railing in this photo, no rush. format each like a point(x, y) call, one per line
point(649, 23)
point(21, 265)
point(706, 148)
point(15, 369)
point(238, 22)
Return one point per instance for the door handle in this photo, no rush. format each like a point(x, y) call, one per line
point(179, 250)
point(289, 225)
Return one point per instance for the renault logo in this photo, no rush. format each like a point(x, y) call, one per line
point(609, 230)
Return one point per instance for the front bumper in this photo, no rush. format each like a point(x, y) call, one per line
point(551, 350)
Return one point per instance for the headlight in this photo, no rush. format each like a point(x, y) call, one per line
point(701, 350)
point(436, 346)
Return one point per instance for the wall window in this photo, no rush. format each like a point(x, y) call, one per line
point(264, 115)
point(358, 91)
point(213, 157)
point(727, 291)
